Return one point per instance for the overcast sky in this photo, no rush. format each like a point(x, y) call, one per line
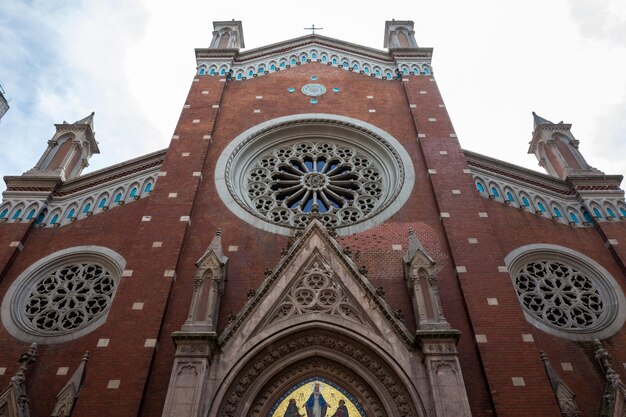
point(132, 63)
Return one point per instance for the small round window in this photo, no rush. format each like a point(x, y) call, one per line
point(347, 173)
point(63, 296)
point(565, 293)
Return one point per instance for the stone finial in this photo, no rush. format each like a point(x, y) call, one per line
point(557, 151)
point(66, 398)
point(399, 34)
point(538, 120)
point(214, 247)
point(88, 120)
point(227, 34)
point(27, 358)
point(415, 246)
point(68, 151)
point(604, 358)
point(564, 395)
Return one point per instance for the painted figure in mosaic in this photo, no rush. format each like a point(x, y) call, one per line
point(342, 410)
point(316, 406)
point(292, 409)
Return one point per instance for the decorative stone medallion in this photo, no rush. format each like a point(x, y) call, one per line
point(313, 90)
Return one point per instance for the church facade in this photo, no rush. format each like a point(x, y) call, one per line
point(313, 242)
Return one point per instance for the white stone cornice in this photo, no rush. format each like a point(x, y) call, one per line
point(314, 48)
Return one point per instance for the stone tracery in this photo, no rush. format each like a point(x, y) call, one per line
point(341, 182)
point(337, 347)
point(316, 291)
point(559, 294)
point(69, 297)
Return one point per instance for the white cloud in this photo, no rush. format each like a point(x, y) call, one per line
point(601, 19)
point(132, 62)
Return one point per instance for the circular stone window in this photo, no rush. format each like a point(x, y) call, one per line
point(348, 174)
point(62, 296)
point(565, 293)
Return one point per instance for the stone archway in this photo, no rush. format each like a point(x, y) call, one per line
point(381, 389)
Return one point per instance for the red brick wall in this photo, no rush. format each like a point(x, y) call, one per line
point(144, 372)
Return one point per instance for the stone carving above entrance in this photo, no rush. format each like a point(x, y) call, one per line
point(316, 396)
point(343, 351)
point(317, 291)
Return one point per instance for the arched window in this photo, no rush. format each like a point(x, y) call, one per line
point(272, 67)
point(510, 197)
point(366, 70)
point(54, 219)
point(494, 192)
point(388, 75)
point(597, 213)
point(416, 71)
point(334, 61)
point(480, 187)
point(41, 217)
point(261, 70)
point(622, 210)
point(557, 213)
point(133, 192)
point(202, 71)
point(541, 207)
point(324, 58)
point(4, 212)
point(103, 203)
point(525, 202)
point(239, 76)
point(250, 73)
point(223, 71)
point(212, 71)
point(118, 198)
point(314, 56)
point(574, 218)
point(71, 213)
point(587, 216)
point(283, 64)
point(148, 188)
point(611, 212)
point(17, 214)
point(303, 58)
point(355, 67)
point(293, 61)
point(31, 214)
point(405, 71)
point(87, 208)
point(378, 73)
point(426, 71)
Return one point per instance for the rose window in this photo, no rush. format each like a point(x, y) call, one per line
point(284, 172)
point(69, 297)
point(339, 184)
point(559, 294)
point(63, 296)
point(565, 293)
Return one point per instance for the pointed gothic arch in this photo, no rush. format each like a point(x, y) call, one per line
point(323, 349)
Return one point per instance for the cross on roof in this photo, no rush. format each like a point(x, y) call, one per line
point(313, 28)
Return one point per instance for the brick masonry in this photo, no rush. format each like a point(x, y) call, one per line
point(222, 110)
